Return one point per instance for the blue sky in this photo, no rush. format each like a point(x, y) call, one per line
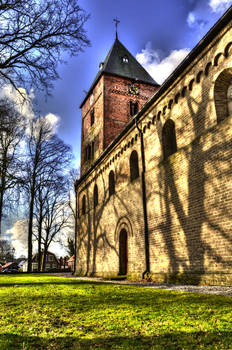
point(158, 32)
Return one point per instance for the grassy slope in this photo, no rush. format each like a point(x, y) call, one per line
point(46, 312)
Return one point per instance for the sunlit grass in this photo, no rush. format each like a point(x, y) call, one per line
point(48, 312)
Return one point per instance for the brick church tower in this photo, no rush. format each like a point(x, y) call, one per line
point(120, 89)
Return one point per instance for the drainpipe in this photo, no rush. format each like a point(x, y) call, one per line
point(144, 200)
point(75, 218)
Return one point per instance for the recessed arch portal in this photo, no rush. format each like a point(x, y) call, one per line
point(123, 252)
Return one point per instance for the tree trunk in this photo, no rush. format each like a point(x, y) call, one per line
point(45, 258)
point(30, 231)
point(45, 251)
point(39, 240)
point(1, 204)
point(3, 188)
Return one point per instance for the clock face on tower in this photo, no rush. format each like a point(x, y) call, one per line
point(133, 89)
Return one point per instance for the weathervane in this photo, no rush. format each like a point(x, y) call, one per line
point(116, 20)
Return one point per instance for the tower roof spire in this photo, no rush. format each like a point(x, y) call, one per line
point(120, 62)
point(116, 20)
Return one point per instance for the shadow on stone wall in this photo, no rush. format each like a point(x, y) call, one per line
point(191, 214)
point(195, 216)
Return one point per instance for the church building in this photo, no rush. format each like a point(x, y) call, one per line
point(155, 194)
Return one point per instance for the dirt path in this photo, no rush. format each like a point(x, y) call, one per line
point(218, 290)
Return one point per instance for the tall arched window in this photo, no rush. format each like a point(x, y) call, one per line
point(83, 205)
point(223, 94)
point(134, 166)
point(111, 183)
point(95, 196)
point(169, 138)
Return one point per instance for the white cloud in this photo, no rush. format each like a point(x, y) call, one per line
point(159, 68)
point(22, 101)
point(51, 123)
point(220, 5)
point(19, 236)
point(191, 19)
point(197, 19)
point(53, 120)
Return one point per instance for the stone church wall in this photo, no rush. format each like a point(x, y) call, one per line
point(188, 194)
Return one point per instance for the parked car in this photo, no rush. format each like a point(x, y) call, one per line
point(10, 271)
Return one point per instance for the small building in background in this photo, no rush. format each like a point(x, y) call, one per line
point(51, 262)
point(71, 263)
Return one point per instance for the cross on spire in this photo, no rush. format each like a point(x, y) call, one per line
point(116, 20)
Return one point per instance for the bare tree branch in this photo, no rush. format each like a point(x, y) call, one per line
point(33, 37)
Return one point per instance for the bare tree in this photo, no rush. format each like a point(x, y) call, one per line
point(51, 213)
point(34, 35)
point(40, 212)
point(48, 157)
point(56, 215)
point(68, 239)
point(11, 134)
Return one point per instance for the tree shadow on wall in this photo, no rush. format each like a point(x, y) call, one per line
point(192, 206)
point(93, 237)
point(192, 215)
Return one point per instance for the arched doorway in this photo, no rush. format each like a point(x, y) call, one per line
point(123, 253)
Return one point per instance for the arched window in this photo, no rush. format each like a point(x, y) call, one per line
point(92, 117)
point(223, 94)
point(95, 196)
point(134, 166)
point(111, 183)
point(133, 108)
point(228, 50)
point(169, 138)
point(207, 68)
point(83, 205)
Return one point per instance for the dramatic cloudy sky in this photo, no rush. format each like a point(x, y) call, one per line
point(159, 33)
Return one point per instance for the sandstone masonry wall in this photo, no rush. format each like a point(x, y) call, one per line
point(189, 194)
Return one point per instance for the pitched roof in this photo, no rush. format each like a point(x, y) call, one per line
point(36, 255)
point(10, 264)
point(115, 65)
point(72, 258)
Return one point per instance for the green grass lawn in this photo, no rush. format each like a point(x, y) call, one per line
point(46, 312)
